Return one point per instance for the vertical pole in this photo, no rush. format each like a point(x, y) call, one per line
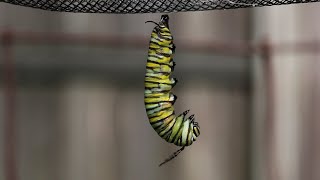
point(312, 160)
point(271, 169)
point(9, 113)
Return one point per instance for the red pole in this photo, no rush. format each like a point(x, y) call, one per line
point(9, 101)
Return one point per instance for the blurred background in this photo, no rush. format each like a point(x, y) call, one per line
point(71, 95)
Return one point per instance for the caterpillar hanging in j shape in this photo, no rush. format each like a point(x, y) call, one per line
point(159, 100)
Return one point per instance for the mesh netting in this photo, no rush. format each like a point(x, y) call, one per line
point(146, 6)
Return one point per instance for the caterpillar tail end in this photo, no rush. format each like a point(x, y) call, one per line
point(175, 154)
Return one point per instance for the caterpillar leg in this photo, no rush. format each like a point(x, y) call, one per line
point(173, 48)
point(175, 154)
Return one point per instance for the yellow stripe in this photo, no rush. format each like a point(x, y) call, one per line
point(196, 131)
point(189, 140)
point(166, 122)
point(163, 69)
point(159, 75)
point(158, 53)
point(147, 91)
point(169, 125)
point(154, 45)
point(150, 106)
point(166, 50)
point(156, 99)
point(184, 135)
point(153, 65)
point(166, 81)
point(162, 42)
point(176, 127)
point(155, 119)
point(178, 137)
point(154, 94)
point(151, 71)
point(162, 106)
point(158, 87)
point(161, 112)
point(150, 85)
point(161, 59)
point(165, 96)
point(162, 50)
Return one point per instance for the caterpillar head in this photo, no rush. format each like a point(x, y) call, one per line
point(196, 128)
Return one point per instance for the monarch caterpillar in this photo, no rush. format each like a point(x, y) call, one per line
point(158, 98)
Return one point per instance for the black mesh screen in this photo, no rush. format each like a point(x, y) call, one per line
point(146, 6)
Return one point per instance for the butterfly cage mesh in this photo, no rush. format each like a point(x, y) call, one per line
point(146, 6)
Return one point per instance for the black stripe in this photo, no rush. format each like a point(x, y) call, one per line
point(166, 136)
point(159, 102)
point(162, 29)
point(154, 95)
point(162, 37)
point(156, 127)
point(165, 38)
point(175, 136)
point(163, 128)
point(158, 83)
point(154, 107)
point(160, 63)
point(163, 54)
point(158, 105)
point(170, 130)
point(159, 30)
point(188, 134)
point(173, 48)
point(157, 43)
point(156, 77)
point(180, 141)
point(158, 72)
point(152, 82)
point(155, 56)
point(156, 62)
point(150, 115)
point(152, 69)
point(161, 91)
point(160, 119)
point(167, 126)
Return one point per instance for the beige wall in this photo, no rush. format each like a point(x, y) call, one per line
point(291, 155)
point(79, 116)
